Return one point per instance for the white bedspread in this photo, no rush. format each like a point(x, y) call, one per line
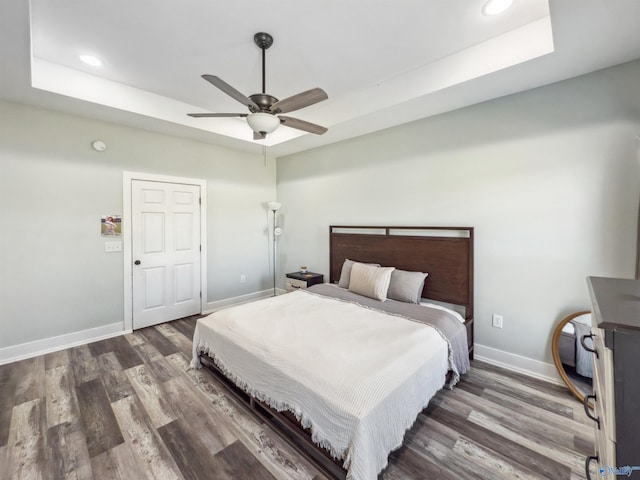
point(356, 376)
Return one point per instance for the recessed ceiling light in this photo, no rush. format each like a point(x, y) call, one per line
point(496, 7)
point(91, 60)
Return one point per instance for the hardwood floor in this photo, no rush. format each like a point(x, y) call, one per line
point(127, 408)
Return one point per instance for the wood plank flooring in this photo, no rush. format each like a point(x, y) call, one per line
point(128, 408)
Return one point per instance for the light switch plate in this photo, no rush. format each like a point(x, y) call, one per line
point(110, 247)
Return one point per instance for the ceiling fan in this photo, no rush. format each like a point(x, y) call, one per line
point(266, 109)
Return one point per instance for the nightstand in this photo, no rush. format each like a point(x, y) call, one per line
point(298, 280)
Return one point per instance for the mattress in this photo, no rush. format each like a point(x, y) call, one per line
point(357, 376)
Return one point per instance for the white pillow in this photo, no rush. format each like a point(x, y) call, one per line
point(345, 273)
point(370, 281)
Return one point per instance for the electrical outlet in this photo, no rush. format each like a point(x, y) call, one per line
point(496, 321)
point(243, 279)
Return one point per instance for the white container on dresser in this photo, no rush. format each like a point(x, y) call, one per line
point(616, 376)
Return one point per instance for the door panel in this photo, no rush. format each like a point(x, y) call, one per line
point(184, 282)
point(166, 242)
point(154, 287)
point(184, 231)
point(152, 232)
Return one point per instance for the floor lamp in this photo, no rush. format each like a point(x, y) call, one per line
point(274, 207)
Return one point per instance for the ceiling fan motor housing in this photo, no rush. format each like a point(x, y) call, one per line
point(264, 101)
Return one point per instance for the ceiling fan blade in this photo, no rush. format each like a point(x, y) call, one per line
point(232, 92)
point(302, 125)
point(301, 100)
point(201, 115)
point(259, 136)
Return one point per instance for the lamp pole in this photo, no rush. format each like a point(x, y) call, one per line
point(275, 231)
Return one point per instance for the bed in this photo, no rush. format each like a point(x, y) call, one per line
point(340, 370)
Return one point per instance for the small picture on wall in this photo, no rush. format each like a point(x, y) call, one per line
point(111, 225)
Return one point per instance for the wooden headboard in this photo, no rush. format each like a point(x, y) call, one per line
point(445, 253)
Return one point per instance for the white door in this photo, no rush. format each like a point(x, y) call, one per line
point(165, 250)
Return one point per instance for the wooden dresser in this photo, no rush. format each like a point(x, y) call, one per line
point(616, 376)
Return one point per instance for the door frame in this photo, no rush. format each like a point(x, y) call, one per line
point(127, 237)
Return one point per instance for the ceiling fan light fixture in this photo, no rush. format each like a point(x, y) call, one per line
point(261, 122)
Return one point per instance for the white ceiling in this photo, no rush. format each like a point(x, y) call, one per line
point(382, 63)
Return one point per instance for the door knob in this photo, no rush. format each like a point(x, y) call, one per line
point(137, 262)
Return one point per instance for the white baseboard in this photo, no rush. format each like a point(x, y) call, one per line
point(249, 297)
point(53, 344)
point(517, 363)
point(26, 350)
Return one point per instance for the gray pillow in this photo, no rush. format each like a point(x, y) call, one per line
point(406, 286)
point(345, 273)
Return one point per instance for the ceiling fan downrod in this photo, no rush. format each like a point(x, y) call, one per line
point(263, 41)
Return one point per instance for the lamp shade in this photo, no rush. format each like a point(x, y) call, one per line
point(261, 122)
point(274, 206)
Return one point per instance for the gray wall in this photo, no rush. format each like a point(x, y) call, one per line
point(54, 275)
point(548, 178)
